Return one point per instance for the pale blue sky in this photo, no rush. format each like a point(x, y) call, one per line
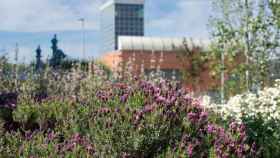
point(33, 22)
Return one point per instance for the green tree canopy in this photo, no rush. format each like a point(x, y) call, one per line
point(248, 27)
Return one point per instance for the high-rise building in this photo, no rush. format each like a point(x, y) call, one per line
point(121, 18)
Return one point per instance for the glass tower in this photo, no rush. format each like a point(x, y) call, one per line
point(121, 18)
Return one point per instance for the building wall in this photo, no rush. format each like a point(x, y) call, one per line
point(166, 61)
point(120, 19)
point(129, 21)
point(108, 28)
point(150, 60)
point(112, 59)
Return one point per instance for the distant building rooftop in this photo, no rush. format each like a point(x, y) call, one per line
point(159, 44)
point(110, 2)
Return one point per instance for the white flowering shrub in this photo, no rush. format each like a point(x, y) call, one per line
point(259, 112)
point(265, 104)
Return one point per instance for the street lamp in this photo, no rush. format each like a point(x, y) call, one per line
point(82, 20)
point(16, 66)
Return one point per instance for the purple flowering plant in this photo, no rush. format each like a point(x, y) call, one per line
point(99, 118)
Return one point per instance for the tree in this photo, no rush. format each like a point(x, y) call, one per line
point(275, 7)
point(244, 27)
point(5, 67)
point(193, 60)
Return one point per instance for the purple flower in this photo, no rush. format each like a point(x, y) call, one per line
point(242, 128)
point(203, 116)
point(196, 104)
point(160, 99)
point(148, 109)
point(221, 133)
point(210, 128)
point(190, 150)
point(253, 149)
point(171, 101)
point(233, 126)
point(76, 138)
point(232, 144)
point(28, 135)
point(240, 150)
point(124, 98)
point(104, 110)
point(51, 136)
point(70, 146)
point(136, 78)
point(117, 110)
point(193, 117)
point(125, 155)
point(188, 98)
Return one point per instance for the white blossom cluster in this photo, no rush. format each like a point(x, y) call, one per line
point(265, 104)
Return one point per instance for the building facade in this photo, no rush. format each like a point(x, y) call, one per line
point(150, 55)
point(121, 18)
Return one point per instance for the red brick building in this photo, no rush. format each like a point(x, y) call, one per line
point(146, 55)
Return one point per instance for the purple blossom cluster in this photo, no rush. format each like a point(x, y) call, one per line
point(124, 91)
point(65, 145)
point(104, 95)
point(119, 91)
point(226, 143)
point(230, 144)
point(72, 143)
point(173, 102)
point(167, 109)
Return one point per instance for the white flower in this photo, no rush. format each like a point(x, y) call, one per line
point(266, 104)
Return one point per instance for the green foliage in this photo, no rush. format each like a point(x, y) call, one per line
point(127, 120)
point(260, 114)
point(244, 28)
point(145, 141)
point(194, 62)
point(81, 114)
point(2, 130)
point(275, 7)
point(265, 133)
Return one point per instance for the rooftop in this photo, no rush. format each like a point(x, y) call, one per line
point(159, 44)
point(110, 2)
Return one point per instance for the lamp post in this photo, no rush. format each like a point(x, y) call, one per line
point(16, 66)
point(82, 20)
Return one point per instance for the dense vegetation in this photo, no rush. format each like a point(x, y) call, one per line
point(260, 113)
point(80, 111)
point(82, 114)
